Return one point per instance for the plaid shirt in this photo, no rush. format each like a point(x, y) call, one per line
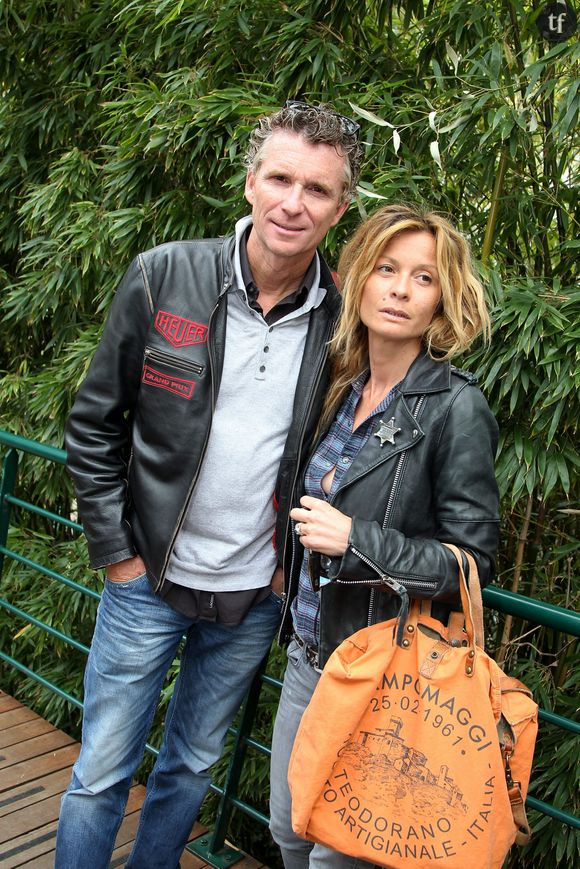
point(337, 450)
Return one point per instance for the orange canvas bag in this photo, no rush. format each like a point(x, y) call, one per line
point(418, 754)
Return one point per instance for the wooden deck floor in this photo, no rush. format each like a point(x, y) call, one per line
point(35, 768)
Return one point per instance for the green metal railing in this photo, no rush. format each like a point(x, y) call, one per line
point(212, 847)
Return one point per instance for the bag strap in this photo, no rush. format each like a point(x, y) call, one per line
point(474, 587)
point(455, 623)
point(507, 743)
point(510, 683)
point(524, 833)
point(472, 605)
point(471, 616)
point(516, 798)
point(471, 600)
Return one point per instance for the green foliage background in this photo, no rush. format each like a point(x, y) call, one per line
point(123, 124)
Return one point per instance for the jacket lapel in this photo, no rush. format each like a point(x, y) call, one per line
point(397, 429)
point(406, 434)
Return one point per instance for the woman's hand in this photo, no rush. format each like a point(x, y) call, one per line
point(321, 527)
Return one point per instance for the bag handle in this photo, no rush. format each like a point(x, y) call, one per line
point(455, 623)
point(471, 613)
point(471, 600)
point(471, 604)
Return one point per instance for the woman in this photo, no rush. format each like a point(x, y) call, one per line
point(404, 462)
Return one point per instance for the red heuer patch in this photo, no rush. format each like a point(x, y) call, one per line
point(177, 385)
point(179, 331)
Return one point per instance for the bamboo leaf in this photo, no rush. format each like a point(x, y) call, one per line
point(551, 476)
point(462, 119)
point(434, 150)
point(563, 473)
point(453, 56)
point(369, 116)
point(371, 194)
point(437, 73)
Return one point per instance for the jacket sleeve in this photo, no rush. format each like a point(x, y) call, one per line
point(465, 504)
point(98, 433)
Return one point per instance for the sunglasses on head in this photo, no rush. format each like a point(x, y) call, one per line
point(350, 127)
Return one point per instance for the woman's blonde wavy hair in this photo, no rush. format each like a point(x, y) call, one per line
point(460, 317)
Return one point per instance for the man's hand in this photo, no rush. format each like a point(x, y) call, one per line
point(321, 527)
point(123, 571)
point(277, 582)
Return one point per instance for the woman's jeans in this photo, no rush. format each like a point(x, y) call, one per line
point(300, 681)
point(135, 641)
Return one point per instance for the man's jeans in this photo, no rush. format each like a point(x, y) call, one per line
point(300, 680)
point(135, 640)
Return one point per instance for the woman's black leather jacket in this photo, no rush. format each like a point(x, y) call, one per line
point(434, 484)
point(137, 433)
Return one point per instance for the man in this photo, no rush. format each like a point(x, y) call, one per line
point(199, 403)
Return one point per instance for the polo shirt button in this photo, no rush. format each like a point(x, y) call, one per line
point(266, 348)
point(262, 367)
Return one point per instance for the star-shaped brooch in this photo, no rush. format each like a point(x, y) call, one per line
point(386, 431)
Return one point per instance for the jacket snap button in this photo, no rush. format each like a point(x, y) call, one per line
point(410, 628)
point(406, 643)
point(471, 653)
point(469, 670)
point(434, 654)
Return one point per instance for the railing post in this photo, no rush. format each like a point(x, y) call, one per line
point(211, 847)
point(7, 484)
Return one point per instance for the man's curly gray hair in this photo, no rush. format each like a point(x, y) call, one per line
point(316, 124)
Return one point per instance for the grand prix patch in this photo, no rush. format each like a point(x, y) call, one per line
point(179, 331)
point(177, 385)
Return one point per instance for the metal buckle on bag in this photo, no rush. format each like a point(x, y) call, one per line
point(510, 781)
point(310, 652)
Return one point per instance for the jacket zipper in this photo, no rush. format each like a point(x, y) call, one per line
point(199, 464)
point(170, 359)
point(389, 581)
point(419, 584)
point(384, 577)
point(306, 415)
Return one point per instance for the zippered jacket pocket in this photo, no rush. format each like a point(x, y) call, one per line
point(169, 374)
point(160, 357)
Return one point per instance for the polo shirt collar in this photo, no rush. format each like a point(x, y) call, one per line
point(244, 278)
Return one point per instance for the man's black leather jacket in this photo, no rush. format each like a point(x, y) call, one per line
point(138, 430)
point(434, 484)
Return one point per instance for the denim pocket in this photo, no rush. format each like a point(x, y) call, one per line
point(276, 598)
point(294, 653)
point(125, 583)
